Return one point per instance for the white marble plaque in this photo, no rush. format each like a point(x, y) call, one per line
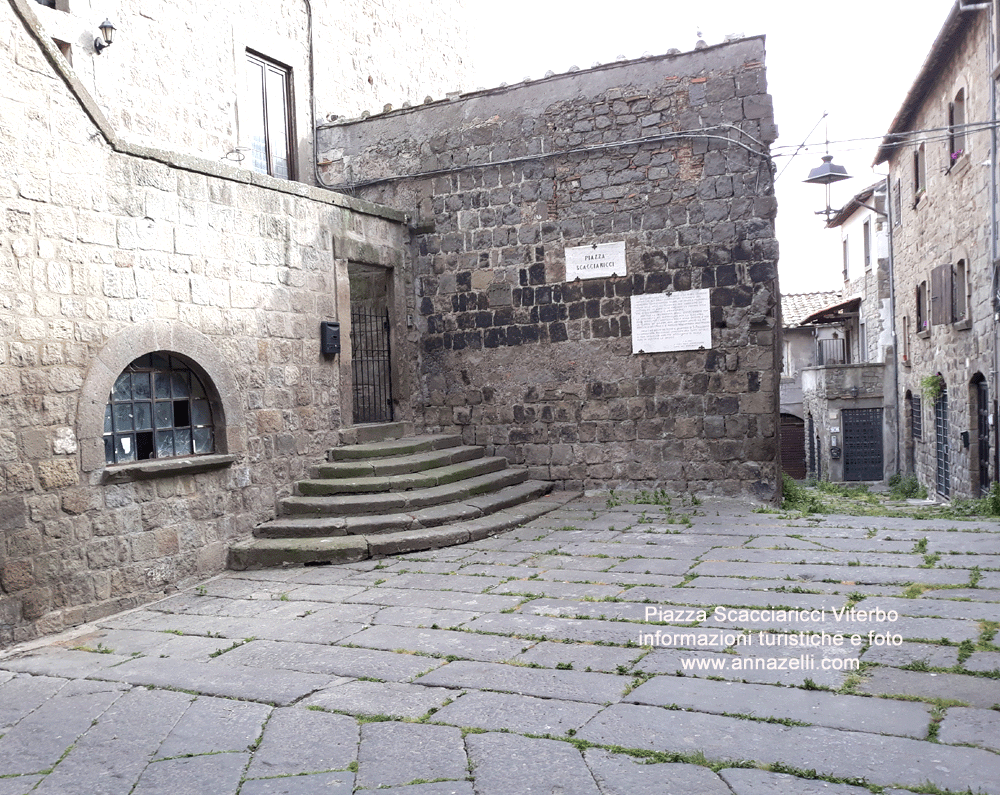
point(595, 261)
point(680, 321)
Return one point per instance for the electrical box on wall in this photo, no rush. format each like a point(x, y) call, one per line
point(329, 337)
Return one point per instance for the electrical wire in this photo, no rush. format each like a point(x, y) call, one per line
point(704, 133)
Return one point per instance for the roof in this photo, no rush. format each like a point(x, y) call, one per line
point(798, 306)
point(834, 313)
point(860, 200)
point(959, 18)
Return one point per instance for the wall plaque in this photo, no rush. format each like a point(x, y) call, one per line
point(680, 321)
point(595, 261)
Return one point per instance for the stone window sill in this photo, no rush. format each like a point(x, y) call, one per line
point(924, 334)
point(962, 325)
point(165, 467)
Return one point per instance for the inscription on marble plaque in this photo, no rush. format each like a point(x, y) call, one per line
point(595, 261)
point(680, 321)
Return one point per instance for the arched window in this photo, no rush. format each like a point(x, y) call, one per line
point(158, 408)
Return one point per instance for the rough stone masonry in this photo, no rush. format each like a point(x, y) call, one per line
point(668, 155)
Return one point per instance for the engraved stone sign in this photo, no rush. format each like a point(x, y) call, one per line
point(680, 321)
point(595, 261)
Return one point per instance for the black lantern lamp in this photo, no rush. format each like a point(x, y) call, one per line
point(107, 35)
point(827, 174)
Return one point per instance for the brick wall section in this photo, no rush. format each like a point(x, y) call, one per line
point(157, 253)
point(949, 222)
point(539, 369)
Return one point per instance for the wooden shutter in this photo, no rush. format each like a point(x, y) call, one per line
point(941, 281)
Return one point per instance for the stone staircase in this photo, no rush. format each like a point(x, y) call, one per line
point(385, 491)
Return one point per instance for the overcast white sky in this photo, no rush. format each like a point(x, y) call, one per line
point(855, 63)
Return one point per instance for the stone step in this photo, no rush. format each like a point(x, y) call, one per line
point(406, 445)
point(439, 476)
point(375, 432)
point(398, 502)
point(398, 465)
point(264, 552)
point(472, 508)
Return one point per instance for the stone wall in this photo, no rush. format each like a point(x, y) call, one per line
point(947, 223)
point(175, 76)
point(108, 252)
point(668, 155)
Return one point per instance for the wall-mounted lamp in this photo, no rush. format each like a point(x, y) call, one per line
point(107, 35)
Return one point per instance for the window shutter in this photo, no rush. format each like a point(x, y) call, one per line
point(941, 281)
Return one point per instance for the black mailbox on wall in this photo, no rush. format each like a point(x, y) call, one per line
point(329, 337)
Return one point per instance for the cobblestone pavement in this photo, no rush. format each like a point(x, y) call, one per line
point(568, 656)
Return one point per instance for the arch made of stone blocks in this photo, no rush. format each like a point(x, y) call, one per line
point(158, 335)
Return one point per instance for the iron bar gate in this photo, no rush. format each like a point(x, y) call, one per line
point(371, 364)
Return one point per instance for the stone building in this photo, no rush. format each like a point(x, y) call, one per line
point(664, 157)
point(161, 374)
point(941, 154)
point(120, 261)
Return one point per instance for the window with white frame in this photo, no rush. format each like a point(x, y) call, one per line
point(956, 126)
point(268, 120)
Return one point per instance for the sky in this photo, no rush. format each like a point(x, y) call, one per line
point(855, 65)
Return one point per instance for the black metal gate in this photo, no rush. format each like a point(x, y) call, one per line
point(983, 432)
point(942, 478)
point(371, 365)
point(862, 444)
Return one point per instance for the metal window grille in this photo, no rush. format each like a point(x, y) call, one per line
point(158, 408)
point(916, 418)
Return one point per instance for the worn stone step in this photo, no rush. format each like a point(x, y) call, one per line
point(266, 552)
point(439, 476)
point(398, 465)
point(398, 502)
point(475, 507)
point(406, 445)
point(375, 432)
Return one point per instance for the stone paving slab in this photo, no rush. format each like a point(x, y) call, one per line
point(118, 747)
point(331, 660)
point(516, 713)
point(966, 726)
point(910, 653)
point(595, 688)
point(215, 679)
point(31, 746)
point(387, 699)
point(882, 760)
point(939, 608)
point(618, 774)
point(559, 590)
point(972, 690)
point(983, 661)
point(220, 773)
point(315, 784)
point(215, 725)
point(399, 753)
point(836, 711)
point(609, 578)
point(513, 765)
point(543, 627)
point(437, 788)
point(441, 642)
point(400, 597)
point(580, 656)
point(871, 575)
point(680, 661)
point(305, 741)
point(748, 781)
point(20, 785)
point(21, 695)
